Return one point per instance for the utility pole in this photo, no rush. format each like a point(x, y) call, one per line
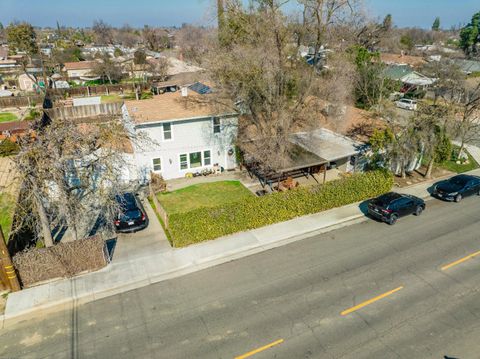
point(7, 266)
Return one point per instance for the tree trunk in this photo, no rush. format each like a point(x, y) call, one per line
point(42, 214)
point(428, 174)
point(462, 146)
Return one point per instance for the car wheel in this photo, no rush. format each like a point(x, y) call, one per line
point(458, 198)
point(393, 219)
point(419, 210)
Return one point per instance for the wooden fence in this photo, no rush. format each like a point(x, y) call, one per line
point(158, 207)
point(20, 101)
point(88, 111)
point(83, 91)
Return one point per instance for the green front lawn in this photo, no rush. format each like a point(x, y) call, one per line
point(453, 166)
point(203, 195)
point(111, 98)
point(7, 117)
point(7, 207)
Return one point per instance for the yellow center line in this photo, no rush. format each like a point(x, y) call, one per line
point(370, 301)
point(253, 352)
point(461, 260)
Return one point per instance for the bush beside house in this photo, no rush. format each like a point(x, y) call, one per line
point(253, 212)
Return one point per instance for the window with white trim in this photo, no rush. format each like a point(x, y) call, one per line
point(157, 164)
point(167, 131)
point(195, 159)
point(207, 159)
point(183, 162)
point(216, 125)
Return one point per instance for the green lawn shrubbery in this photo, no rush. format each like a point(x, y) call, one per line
point(253, 212)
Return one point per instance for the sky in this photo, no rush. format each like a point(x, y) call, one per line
point(419, 13)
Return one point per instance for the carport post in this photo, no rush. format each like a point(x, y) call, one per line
point(7, 268)
point(324, 173)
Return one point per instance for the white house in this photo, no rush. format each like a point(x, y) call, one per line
point(184, 136)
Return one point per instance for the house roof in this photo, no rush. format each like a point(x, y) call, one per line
point(468, 66)
point(81, 65)
point(171, 106)
point(396, 72)
point(14, 126)
point(327, 144)
point(414, 61)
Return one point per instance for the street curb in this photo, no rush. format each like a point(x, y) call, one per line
point(74, 301)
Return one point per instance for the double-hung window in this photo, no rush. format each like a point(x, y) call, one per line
point(216, 125)
point(195, 159)
point(157, 164)
point(183, 162)
point(167, 131)
point(207, 159)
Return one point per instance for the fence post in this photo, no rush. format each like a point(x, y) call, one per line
point(7, 265)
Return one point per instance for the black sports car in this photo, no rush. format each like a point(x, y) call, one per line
point(455, 188)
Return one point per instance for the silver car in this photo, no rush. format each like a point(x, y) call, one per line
point(407, 104)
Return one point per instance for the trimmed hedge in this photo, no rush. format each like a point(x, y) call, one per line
point(208, 223)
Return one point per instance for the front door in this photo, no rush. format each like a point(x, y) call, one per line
point(231, 159)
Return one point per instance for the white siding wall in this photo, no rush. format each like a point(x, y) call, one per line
point(194, 135)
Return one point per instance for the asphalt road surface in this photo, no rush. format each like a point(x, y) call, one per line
point(365, 291)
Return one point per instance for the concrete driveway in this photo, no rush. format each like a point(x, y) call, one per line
point(144, 242)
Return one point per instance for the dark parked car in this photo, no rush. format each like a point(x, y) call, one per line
point(391, 206)
point(132, 216)
point(455, 188)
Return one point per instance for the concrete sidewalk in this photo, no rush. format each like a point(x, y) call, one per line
point(130, 272)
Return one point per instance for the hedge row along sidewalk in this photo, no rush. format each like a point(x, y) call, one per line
point(253, 212)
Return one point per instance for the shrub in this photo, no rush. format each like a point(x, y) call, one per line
point(63, 260)
point(254, 212)
point(8, 148)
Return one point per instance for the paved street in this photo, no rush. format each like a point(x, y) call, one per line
point(402, 291)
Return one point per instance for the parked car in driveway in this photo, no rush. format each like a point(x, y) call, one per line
point(407, 104)
point(457, 187)
point(390, 206)
point(132, 216)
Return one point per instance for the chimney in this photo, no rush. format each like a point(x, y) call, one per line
point(184, 91)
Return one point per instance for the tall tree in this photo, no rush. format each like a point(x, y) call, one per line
point(108, 69)
point(387, 22)
point(22, 38)
point(103, 32)
point(436, 24)
point(467, 125)
point(470, 36)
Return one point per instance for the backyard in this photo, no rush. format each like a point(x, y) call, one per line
point(7, 117)
point(203, 195)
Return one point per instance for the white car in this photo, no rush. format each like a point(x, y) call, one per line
point(407, 104)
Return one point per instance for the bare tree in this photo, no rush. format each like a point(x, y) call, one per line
point(103, 32)
point(467, 126)
point(74, 170)
point(108, 69)
point(155, 39)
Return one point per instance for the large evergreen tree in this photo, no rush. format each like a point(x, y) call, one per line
point(470, 36)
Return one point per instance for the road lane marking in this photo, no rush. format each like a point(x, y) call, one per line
point(370, 301)
point(461, 260)
point(253, 352)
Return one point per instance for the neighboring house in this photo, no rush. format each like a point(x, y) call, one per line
point(468, 66)
point(408, 77)
point(81, 70)
point(185, 137)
